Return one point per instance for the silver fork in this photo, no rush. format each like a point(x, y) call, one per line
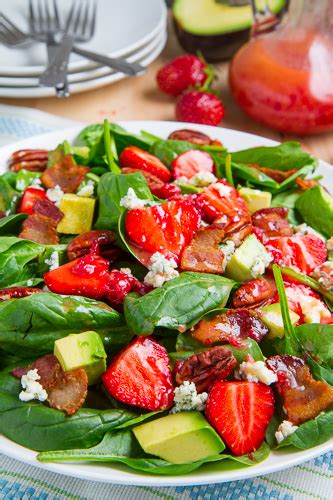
point(45, 25)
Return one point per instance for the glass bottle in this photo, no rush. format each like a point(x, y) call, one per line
point(283, 77)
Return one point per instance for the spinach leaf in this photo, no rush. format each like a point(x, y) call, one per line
point(18, 260)
point(8, 197)
point(11, 224)
point(311, 433)
point(178, 304)
point(317, 339)
point(122, 447)
point(285, 156)
point(42, 428)
point(288, 199)
point(254, 176)
point(29, 326)
point(89, 135)
point(110, 150)
point(316, 206)
point(168, 150)
point(111, 189)
point(320, 372)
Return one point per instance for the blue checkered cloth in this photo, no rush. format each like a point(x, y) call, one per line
point(20, 481)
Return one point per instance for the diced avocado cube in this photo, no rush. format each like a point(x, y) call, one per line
point(316, 207)
point(78, 214)
point(179, 438)
point(82, 350)
point(255, 199)
point(249, 260)
point(272, 317)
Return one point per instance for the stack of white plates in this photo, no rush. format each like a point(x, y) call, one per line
point(132, 29)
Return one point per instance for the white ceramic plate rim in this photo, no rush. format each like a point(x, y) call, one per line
point(208, 474)
point(84, 64)
point(91, 74)
point(90, 84)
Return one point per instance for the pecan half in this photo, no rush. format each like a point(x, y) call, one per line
point(17, 292)
point(272, 222)
point(203, 253)
point(233, 326)
point(253, 293)
point(303, 396)
point(206, 368)
point(34, 160)
point(189, 135)
point(236, 229)
point(81, 245)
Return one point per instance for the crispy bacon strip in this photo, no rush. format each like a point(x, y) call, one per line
point(277, 175)
point(66, 391)
point(272, 222)
point(17, 292)
point(235, 230)
point(206, 368)
point(233, 326)
point(303, 396)
point(48, 209)
point(203, 253)
point(39, 229)
point(254, 293)
point(65, 174)
point(82, 244)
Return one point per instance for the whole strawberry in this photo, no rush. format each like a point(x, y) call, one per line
point(181, 73)
point(198, 106)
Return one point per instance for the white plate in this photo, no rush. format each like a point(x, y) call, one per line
point(91, 74)
point(213, 473)
point(121, 27)
point(88, 83)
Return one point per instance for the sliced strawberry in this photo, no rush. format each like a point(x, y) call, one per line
point(191, 162)
point(88, 276)
point(134, 157)
point(240, 413)
point(303, 252)
point(221, 198)
point(167, 191)
point(165, 228)
point(140, 375)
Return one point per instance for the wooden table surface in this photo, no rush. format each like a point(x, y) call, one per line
point(139, 98)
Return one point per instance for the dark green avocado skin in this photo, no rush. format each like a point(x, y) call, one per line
point(215, 48)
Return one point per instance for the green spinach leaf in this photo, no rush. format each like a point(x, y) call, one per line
point(317, 339)
point(178, 304)
point(8, 197)
point(311, 433)
point(11, 224)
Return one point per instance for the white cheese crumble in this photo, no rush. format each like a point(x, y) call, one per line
point(161, 270)
point(30, 283)
point(187, 398)
point(20, 185)
point(228, 249)
point(131, 201)
point(87, 191)
point(260, 264)
point(32, 388)
point(202, 179)
point(55, 194)
point(305, 229)
point(222, 189)
point(257, 371)
point(53, 261)
point(313, 309)
point(127, 271)
point(285, 429)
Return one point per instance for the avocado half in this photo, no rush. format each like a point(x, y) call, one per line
point(215, 28)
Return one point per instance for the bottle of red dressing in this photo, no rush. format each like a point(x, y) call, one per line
point(283, 77)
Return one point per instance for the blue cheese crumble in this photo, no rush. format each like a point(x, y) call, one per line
point(132, 202)
point(256, 371)
point(161, 270)
point(285, 429)
point(187, 399)
point(32, 389)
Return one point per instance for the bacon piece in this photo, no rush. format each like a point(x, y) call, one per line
point(277, 175)
point(233, 326)
point(83, 243)
point(203, 253)
point(17, 292)
point(34, 160)
point(235, 230)
point(272, 222)
point(306, 184)
point(206, 368)
point(66, 391)
point(65, 174)
point(253, 293)
point(153, 181)
point(303, 396)
point(45, 207)
point(39, 229)
point(2, 214)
